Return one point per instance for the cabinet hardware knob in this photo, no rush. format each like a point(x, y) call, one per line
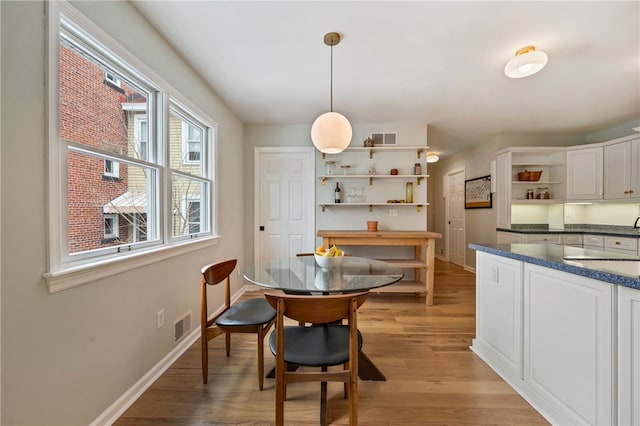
point(617, 243)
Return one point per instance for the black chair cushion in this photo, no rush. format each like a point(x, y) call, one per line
point(315, 346)
point(249, 312)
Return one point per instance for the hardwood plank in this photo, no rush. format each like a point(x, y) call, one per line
point(433, 378)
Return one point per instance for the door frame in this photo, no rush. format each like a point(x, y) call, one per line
point(447, 213)
point(257, 192)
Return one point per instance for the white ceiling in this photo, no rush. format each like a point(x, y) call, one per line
point(438, 63)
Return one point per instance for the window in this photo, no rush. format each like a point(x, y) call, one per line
point(111, 78)
point(118, 173)
point(192, 212)
point(111, 168)
point(192, 140)
point(141, 137)
point(110, 226)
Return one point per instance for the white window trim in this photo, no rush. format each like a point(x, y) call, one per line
point(185, 211)
point(185, 144)
point(116, 226)
point(116, 168)
point(138, 119)
point(61, 276)
point(112, 78)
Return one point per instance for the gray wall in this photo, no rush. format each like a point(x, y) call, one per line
point(66, 357)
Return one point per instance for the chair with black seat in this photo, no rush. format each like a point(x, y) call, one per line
point(326, 344)
point(251, 316)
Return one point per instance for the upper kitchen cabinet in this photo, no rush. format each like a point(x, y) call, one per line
point(528, 175)
point(622, 169)
point(584, 173)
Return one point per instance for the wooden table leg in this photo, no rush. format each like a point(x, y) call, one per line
point(431, 254)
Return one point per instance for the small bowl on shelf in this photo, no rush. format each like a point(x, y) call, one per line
point(524, 175)
point(534, 176)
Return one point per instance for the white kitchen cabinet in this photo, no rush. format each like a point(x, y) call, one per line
point(593, 242)
point(499, 319)
point(574, 240)
point(628, 356)
point(509, 238)
point(568, 346)
point(584, 173)
point(622, 170)
point(543, 238)
point(621, 245)
point(511, 190)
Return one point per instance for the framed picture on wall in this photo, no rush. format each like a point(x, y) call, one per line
point(477, 193)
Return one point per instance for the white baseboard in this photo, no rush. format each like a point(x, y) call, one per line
point(126, 400)
point(470, 269)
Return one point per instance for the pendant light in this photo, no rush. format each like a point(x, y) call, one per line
point(527, 61)
point(331, 132)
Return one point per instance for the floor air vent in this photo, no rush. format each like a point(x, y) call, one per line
point(181, 326)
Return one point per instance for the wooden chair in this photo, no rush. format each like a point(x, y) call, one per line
point(250, 316)
point(322, 345)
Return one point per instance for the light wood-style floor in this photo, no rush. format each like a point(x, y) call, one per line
point(433, 378)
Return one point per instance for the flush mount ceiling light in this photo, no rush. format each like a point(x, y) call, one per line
point(527, 61)
point(432, 157)
point(331, 132)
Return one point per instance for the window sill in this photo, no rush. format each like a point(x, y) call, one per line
point(84, 274)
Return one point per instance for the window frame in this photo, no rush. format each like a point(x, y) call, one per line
point(115, 226)
point(186, 151)
point(63, 272)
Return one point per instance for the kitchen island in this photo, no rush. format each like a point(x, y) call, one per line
point(561, 330)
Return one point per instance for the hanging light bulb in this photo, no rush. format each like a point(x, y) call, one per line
point(527, 61)
point(331, 132)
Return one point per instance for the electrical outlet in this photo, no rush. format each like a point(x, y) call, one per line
point(393, 212)
point(160, 318)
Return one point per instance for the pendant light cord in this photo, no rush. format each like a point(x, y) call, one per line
point(331, 83)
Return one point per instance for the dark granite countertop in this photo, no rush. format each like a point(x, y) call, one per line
point(552, 256)
point(606, 230)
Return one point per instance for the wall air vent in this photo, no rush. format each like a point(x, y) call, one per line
point(385, 138)
point(181, 327)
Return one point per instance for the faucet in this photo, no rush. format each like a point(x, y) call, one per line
point(635, 224)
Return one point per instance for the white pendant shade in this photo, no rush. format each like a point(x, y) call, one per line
point(527, 61)
point(331, 133)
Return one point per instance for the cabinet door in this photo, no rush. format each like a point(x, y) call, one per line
point(584, 174)
point(503, 189)
point(617, 170)
point(635, 169)
point(628, 356)
point(568, 345)
point(574, 240)
point(509, 238)
point(621, 245)
point(499, 318)
point(543, 239)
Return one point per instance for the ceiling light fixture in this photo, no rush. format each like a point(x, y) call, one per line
point(527, 61)
point(331, 132)
point(432, 157)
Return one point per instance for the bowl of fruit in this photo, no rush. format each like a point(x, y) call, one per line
point(329, 258)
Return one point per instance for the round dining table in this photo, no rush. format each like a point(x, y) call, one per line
point(302, 275)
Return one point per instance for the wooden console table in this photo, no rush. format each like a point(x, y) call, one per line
point(420, 262)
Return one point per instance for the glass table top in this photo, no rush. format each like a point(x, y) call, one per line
point(302, 275)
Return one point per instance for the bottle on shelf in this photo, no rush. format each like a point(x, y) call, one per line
point(409, 195)
point(337, 198)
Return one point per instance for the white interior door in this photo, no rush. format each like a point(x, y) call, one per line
point(284, 200)
point(456, 222)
